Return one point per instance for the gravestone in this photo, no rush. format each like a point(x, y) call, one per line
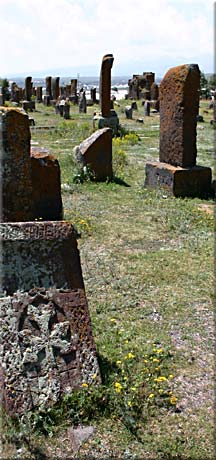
point(93, 95)
point(16, 166)
point(55, 88)
point(108, 117)
point(129, 112)
point(105, 85)
point(154, 92)
point(47, 348)
point(179, 106)
point(30, 185)
point(48, 83)
point(39, 94)
point(82, 102)
point(28, 88)
point(46, 185)
point(96, 153)
point(74, 97)
point(147, 108)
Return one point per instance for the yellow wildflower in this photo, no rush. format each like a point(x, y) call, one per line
point(129, 403)
point(173, 400)
point(160, 350)
point(118, 362)
point(151, 396)
point(171, 376)
point(84, 385)
point(155, 360)
point(118, 387)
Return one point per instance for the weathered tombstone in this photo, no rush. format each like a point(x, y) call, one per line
point(55, 88)
point(28, 88)
point(66, 112)
point(154, 92)
point(108, 116)
point(82, 102)
point(48, 83)
point(30, 186)
point(46, 185)
point(179, 106)
point(128, 112)
point(47, 348)
point(39, 94)
point(16, 166)
point(147, 108)
point(68, 90)
point(93, 95)
point(96, 153)
point(73, 97)
point(105, 84)
point(134, 105)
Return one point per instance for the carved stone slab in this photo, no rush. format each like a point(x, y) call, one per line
point(46, 343)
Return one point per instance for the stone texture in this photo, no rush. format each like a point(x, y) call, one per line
point(48, 83)
point(16, 166)
point(47, 347)
point(181, 182)
point(28, 88)
point(46, 185)
point(147, 108)
point(96, 152)
point(154, 92)
point(39, 94)
point(55, 88)
point(31, 186)
point(140, 85)
point(82, 102)
point(179, 106)
point(105, 85)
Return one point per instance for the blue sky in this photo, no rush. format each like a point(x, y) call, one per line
point(38, 35)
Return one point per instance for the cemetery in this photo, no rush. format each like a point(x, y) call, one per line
point(107, 237)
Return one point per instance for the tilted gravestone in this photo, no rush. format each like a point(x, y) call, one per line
point(179, 106)
point(96, 153)
point(47, 347)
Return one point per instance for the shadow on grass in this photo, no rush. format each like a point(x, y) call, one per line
point(107, 368)
point(118, 181)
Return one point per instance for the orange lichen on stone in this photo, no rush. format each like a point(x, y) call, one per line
point(179, 107)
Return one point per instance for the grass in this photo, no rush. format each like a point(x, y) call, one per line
point(147, 262)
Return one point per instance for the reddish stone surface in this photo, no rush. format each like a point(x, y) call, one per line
point(16, 166)
point(179, 106)
point(181, 182)
point(55, 88)
point(47, 347)
point(46, 184)
point(105, 85)
point(31, 186)
point(96, 152)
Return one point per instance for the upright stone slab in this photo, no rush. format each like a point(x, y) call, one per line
point(179, 105)
point(96, 152)
point(28, 88)
point(108, 117)
point(48, 82)
point(30, 184)
point(47, 348)
point(105, 84)
point(82, 102)
point(16, 180)
point(39, 94)
point(55, 88)
point(46, 185)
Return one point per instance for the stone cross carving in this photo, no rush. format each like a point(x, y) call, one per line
point(105, 85)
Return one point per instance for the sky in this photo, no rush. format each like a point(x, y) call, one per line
point(38, 36)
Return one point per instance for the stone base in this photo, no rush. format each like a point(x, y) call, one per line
point(28, 105)
point(47, 348)
point(107, 122)
point(182, 182)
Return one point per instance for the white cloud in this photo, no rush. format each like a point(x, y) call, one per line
point(57, 33)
